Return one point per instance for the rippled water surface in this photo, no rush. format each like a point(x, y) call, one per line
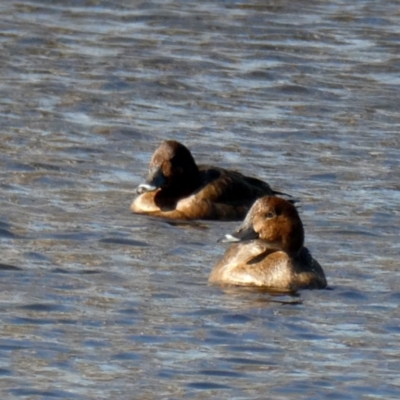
point(97, 303)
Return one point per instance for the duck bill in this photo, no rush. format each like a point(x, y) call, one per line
point(154, 181)
point(241, 235)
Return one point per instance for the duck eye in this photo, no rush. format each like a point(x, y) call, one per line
point(270, 215)
point(174, 161)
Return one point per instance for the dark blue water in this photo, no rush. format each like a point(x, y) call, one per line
point(97, 303)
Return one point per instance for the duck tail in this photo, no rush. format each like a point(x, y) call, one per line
point(290, 198)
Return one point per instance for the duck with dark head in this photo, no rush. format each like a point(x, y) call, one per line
point(177, 188)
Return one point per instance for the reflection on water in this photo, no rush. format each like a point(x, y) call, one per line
point(99, 303)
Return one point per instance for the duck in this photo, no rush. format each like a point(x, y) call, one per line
point(268, 251)
point(178, 188)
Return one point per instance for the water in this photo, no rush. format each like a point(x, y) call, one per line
point(97, 303)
